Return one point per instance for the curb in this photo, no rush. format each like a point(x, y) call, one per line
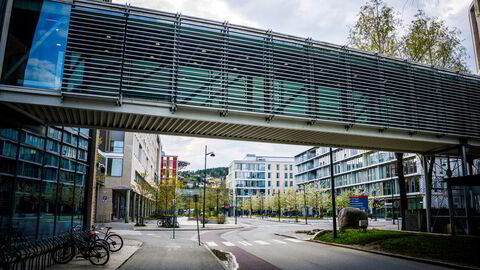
point(421, 260)
point(215, 256)
point(289, 236)
point(141, 244)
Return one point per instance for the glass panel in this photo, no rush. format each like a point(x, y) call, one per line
point(116, 141)
point(25, 210)
point(47, 209)
point(8, 149)
point(6, 187)
point(65, 202)
point(36, 44)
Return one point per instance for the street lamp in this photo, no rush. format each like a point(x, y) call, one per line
point(205, 182)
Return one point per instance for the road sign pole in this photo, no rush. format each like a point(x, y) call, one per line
point(332, 185)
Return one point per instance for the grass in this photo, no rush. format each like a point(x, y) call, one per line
point(460, 249)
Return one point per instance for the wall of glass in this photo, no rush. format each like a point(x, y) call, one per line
point(42, 184)
point(36, 44)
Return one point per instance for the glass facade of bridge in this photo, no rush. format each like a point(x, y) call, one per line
point(121, 52)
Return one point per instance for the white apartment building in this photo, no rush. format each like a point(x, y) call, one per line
point(254, 175)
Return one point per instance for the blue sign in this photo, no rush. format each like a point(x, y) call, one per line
point(360, 202)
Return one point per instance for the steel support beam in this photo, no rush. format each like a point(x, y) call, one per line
point(428, 191)
point(466, 189)
point(4, 29)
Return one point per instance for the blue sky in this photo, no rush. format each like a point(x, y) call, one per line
point(323, 20)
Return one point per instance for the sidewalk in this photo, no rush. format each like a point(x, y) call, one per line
point(187, 225)
point(116, 258)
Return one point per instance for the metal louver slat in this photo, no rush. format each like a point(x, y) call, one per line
point(184, 61)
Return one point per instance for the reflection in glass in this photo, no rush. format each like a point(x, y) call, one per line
point(36, 44)
point(26, 202)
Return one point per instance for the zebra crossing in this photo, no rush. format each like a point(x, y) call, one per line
point(250, 243)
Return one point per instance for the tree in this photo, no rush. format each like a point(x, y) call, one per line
point(376, 29)
point(429, 41)
point(144, 189)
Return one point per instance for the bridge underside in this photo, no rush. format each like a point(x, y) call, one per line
point(141, 116)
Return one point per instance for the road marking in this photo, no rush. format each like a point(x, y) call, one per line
point(212, 244)
point(261, 242)
point(278, 241)
point(293, 240)
point(245, 243)
point(228, 244)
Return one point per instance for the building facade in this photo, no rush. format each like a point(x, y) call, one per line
point(46, 179)
point(130, 159)
point(254, 175)
point(369, 172)
point(474, 16)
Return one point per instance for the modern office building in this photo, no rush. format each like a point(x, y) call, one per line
point(130, 158)
point(254, 175)
point(363, 171)
point(46, 179)
point(474, 16)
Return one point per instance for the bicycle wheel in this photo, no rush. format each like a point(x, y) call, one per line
point(99, 255)
point(63, 254)
point(159, 223)
point(115, 241)
point(102, 242)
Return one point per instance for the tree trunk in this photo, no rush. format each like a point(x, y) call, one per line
point(402, 188)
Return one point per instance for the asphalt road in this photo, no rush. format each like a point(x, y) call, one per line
point(161, 251)
point(257, 247)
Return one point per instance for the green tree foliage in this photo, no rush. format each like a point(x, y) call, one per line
point(376, 29)
point(430, 41)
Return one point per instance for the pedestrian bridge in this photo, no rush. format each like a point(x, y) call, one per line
point(111, 66)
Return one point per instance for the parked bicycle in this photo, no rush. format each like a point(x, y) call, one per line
point(83, 244)
point(167, 222)
point(114, 240)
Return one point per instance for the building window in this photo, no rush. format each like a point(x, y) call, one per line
point(139, 153)
point(291, 167)
point(286, 175)
point(285, 167)
point(116, 143)
point(278, 167)
point(269, 167)
point(278, 183)
point(8, 149)
point(31, 140)
point(54, 133)
point(115, 167)
point(269, 175)
point(278, 175)
point(53, 146)
point(286, 183)
point(291, 175)
point(269, 183)
point(291, 183)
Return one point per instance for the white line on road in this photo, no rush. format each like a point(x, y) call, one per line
point(278, 241)
point(245, 243)
point(261, 242)
point(228, 244)
point(293, 240)
point(212, 244)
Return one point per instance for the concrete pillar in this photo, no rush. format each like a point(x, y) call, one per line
point(428, 191)
point(127, 206)
point(134, 206)
point(118, 199)
point(466, 189)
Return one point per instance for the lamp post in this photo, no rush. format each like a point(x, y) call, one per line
point(205, 183)
point(305, 203)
